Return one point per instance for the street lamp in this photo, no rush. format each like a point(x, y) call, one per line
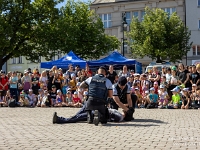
point(124, 25)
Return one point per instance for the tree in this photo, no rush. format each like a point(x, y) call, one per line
point(159, 36)
point(23, 28)
point(37, 28)
point(81, 30)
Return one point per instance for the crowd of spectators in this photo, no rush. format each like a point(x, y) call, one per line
point(173, 87)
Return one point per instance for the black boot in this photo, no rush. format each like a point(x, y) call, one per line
point(89, 117)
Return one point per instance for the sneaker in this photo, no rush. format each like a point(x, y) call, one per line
point(55, 117)
point(96, 118)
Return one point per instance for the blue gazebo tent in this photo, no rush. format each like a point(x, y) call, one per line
point(115, 59)
point(65, 61)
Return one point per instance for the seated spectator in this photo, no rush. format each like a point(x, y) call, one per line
point(9, 97)
point(175, 99)
point(155, 85)
point(59, 99)
point(53, 95)
point(85, 96)
point(32, 98)
point(185, 97)
point(57, 81)
point(45, 99)
point(139, 97)
point(134, 87)
point(163, 96)
point(152, 99)
point(40, 97)
point(145, 99)
point(195, 98)
point(68, 99)
point(79, 90)
point(23, 101)
point(2, 100)
point(76, 100)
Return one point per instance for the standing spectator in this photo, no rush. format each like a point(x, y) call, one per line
point(194, 76)
point(70, 71)
point(57, 81)
point(198, 68)
point(174, 80)
point(112, 75)
point(164, 71)
point(77, 69)
point(83, 76)
point(183, 75)
point(72, 83)
point(35, 84)
point(155, 76)
point(65, 82)
point(124, 72)
point(50, 80)
point(29, 70)
point(13, 85)
point(88, 72)
point(43, 79)
point(3, 83)
point(26, 82)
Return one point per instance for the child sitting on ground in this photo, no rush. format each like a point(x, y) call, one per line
point(185, 97)
point(85, 97)
point(163, 97)
point(152, 99)
point(68, 99)
point(175, 99)
point(45, 99)
point(139, 98)
point(39, 97)
point(59, 99)
point(76, 100)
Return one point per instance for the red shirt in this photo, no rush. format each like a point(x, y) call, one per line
point(76, 100)
point(3, 81)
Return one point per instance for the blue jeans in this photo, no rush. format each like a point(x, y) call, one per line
point(14, 92)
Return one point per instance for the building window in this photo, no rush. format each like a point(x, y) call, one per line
point(142, 15)
point(128, 18)
point(135, 14)
point(106, 19)
point(198, 3)
point(169, 10)
point(13, 60)
point(19, 60)
point(199, 24)
point(196, 50)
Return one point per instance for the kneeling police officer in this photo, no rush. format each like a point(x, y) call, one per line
point(99, 89)
point(123, 98)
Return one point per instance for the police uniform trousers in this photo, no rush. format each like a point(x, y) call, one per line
point(94, 104)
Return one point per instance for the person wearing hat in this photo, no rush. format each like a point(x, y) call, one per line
point(175, 99)
point(32, 98)
point(163, 97)
point(185, 98)
point(76, 100)
point(152, 99)
point(123, 98)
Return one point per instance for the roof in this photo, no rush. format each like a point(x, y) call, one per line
point(112, 1)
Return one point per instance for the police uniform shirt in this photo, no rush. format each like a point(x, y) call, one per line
point(108, 83)
point(115, 90)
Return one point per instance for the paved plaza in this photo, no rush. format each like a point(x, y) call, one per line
point(32, 128)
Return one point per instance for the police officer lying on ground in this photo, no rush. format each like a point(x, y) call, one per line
point(114, 116)
point(99, 89)
point(123, 98)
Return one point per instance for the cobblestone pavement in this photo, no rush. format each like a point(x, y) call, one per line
point(32, 128)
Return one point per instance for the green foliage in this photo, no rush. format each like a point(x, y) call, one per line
point(159, 36)
point(37, 28)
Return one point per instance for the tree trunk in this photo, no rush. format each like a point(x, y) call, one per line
point(1, 63)
point(158, 59)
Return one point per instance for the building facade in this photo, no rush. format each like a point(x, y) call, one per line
point(193, 23)
point(110, 11)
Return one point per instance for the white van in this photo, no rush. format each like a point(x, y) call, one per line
point(159, 66)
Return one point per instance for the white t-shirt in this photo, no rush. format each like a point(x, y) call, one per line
point(162, 95)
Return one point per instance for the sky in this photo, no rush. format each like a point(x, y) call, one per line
point(62, 4)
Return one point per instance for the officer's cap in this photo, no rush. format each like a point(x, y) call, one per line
point(122, 81)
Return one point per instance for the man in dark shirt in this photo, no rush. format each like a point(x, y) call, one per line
point(50, 80)
point(53, 95)
point(35, 84)
point(112, 75)
point(194, 76)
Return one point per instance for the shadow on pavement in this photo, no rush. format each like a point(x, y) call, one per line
point(148, 120)
point(129, 125)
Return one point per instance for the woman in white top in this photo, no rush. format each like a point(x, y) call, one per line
point(43, 79)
